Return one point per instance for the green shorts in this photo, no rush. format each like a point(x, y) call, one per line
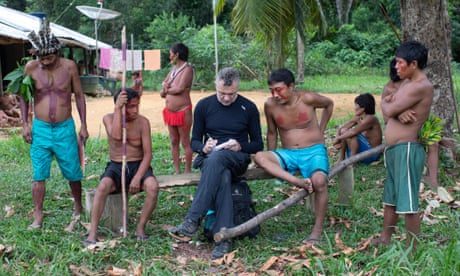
point(404, 164)
point(58, 140)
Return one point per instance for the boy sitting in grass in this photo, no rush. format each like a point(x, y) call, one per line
point(362, 132)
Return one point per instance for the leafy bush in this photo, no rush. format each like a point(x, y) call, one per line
point(202, 53)
point(166, 30)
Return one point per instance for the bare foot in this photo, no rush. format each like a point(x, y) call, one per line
point(379, 241)
point(38, 220)
point(305, 184)
point(310, 241)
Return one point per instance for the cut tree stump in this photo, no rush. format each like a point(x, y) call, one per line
point(112, 217)
point(346, 185)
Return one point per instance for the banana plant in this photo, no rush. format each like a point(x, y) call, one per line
point(431, 130)
point(24, 85)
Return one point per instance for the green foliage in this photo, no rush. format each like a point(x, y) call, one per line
point(203, 53)
point(20, 84)
point(431, 131)
point(349, 51)
point(51, 251)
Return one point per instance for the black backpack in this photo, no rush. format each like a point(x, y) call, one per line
point(243, 210)
point(243, 207)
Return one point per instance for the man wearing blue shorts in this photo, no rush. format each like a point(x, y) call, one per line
point(292, 114)
point(53, 130)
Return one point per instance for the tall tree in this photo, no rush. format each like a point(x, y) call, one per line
point(273, 21)
point(428, 22)
point(343, 15)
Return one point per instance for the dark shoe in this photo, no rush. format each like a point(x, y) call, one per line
point(186, 228)
point(221, 249)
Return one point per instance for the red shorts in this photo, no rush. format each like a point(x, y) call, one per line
point(175, 118)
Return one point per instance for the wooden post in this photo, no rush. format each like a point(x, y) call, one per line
point(112, 217)
point(346, 185)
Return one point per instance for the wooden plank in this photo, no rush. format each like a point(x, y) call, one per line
point(188, 179)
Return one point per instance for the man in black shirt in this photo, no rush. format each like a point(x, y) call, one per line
point(226, 130)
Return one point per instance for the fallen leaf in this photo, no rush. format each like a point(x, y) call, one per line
point(9, 211)
point(72, 224)
point(115, 271)
point(272, 260)
point(433, 203)
point(93, 176)
point(375, 212)
point(5, 249)
point(444, 195)
point(180, 238)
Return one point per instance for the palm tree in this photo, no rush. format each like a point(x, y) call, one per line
point(272, 21)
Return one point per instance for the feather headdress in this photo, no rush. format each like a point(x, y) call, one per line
point(45, 43)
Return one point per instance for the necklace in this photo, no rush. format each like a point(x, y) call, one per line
point(176, 72)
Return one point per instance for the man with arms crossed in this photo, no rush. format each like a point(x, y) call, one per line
point(53, 128)
point(404, 155)
point(292, 115)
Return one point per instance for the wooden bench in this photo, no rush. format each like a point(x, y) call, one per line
point(167, 181)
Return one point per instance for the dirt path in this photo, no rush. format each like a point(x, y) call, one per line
point(152, 106)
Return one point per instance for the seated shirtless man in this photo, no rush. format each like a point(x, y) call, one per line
point(292, 114)
point(139, 174)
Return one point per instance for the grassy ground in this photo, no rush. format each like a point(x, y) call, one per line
point(52, 251)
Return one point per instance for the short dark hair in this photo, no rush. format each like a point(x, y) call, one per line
point(132, 94)
point(367, 102)
point(281, 75)
point(181, 49)
point(413, 50)
point(393, 72)
point(228, 76)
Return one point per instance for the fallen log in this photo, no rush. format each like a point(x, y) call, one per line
point(225, 233)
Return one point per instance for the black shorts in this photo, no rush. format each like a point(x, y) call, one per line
point(113, 171)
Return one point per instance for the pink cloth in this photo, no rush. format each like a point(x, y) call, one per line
point(104, 59)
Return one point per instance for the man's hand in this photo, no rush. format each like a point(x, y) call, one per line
point(209, 146)
point(407, 117)
point(231, 144)
point(83, 134)
point(122, 99)
point(135, 185)
point(26, 134)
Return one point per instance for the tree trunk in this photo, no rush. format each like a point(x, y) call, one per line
point(300, 58)
point(339, 6)
point(428, 22)
point(347, 12)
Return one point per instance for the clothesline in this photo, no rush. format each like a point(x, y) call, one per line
point(111, 59)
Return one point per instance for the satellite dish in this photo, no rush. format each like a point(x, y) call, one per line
point(98, 13)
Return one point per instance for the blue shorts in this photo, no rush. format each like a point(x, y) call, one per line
point(58, 140)
point(307, 160)
point(404, 164)
point(364, 145)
